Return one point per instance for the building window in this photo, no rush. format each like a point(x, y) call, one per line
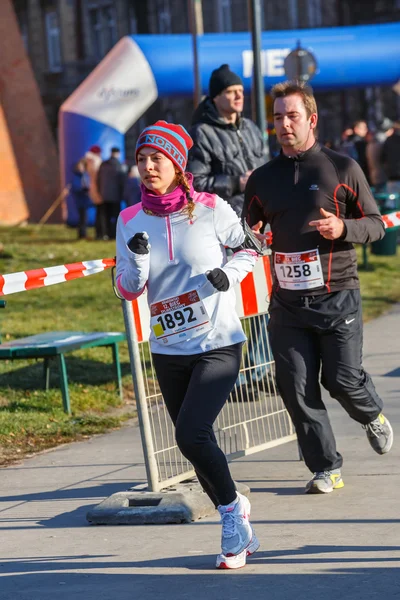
point(24, 35)
point(164, 17)
point(53, 41)
point(21, 12)
point(103, 28)
point(293, 10)
point(23, 27)
point(314, 13)
point(276, 15)
point(224, 15)
point(132, 19)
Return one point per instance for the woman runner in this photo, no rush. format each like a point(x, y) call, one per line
point(173, 243)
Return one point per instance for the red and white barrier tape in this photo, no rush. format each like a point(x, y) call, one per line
point(392, 219)
point(29, 280)
point(36, 278)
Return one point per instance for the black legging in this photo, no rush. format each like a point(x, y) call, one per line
point(195, 388)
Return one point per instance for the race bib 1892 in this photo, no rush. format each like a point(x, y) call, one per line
point(179, 319)
point(299, 270)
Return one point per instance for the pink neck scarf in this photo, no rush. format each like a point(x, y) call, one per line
point(167, 203)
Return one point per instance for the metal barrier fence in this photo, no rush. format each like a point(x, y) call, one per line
point(254, 417)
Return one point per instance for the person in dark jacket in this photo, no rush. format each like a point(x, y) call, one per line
point(227, 147)
point(318, 203)
point(391, 160)
point(132, 191)
point(80, 194)
point(360, 141)
point(110, 181)
point(226, 150)
point(377, 175)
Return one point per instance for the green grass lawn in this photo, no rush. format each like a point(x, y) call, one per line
point(32, 419)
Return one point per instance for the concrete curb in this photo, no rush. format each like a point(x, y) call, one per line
point(182, 503)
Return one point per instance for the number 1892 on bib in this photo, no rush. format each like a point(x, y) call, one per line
point(179, 318)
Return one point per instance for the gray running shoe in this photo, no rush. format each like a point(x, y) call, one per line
point(254, 544)
point(324, 482)
point(237, 534)
point(380, 434)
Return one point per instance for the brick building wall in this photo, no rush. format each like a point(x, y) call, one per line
point(89, 27)
point(29, 181)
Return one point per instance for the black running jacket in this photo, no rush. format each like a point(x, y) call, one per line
point(288, 193)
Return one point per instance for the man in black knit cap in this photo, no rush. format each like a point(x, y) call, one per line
point(227, 147)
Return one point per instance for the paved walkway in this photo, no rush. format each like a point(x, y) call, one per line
point(343, 545)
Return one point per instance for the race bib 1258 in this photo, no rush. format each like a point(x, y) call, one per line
point(299, 270)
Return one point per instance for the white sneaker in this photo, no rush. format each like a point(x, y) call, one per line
point(238, 560)
point(238, 539)
point(254, 544)
point(235, 561)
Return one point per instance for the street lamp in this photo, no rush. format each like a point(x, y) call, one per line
point(195, 11)
point(254, 11)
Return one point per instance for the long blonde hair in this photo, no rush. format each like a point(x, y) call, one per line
point(181, 179)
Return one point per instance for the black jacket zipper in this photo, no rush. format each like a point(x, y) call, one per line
point(296, 172)
point(244, 149)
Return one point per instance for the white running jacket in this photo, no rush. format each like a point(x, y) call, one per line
point(180, 254)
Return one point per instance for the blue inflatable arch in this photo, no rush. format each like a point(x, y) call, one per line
point(141, 68)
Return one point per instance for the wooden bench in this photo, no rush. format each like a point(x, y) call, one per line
point(54, 344)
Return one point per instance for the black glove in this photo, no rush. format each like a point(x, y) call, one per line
point(139, 243)
point(219, 279)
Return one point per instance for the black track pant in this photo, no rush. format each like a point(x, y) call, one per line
point(320, 335)
point(195, 389)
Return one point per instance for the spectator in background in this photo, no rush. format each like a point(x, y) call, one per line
point(347, 145)
point(391, 160)
point(377, 173)
point(93, 162)
point(132, 192)
point(360, 142)
point(110, 181)
point(80, 195)
point(329, 144)
point(227, 148)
